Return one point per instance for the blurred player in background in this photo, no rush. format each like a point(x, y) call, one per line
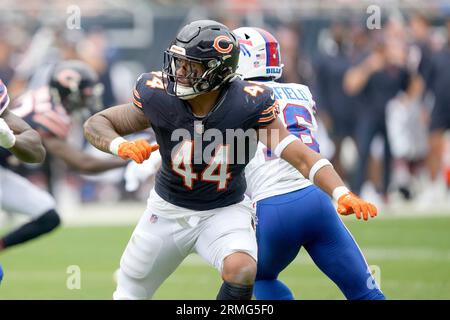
point(18, 138)
point(374, 81)
point(199, 206)
point(291, 211)
point(336, 107)
point(73, 88)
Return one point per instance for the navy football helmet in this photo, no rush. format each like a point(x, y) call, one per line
point(76, 85)
point(209, 53)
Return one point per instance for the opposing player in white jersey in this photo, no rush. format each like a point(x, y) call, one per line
point(291, 211)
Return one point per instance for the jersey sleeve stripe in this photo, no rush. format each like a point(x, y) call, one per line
point(137, 103)
point(269, 118)
point(136, 94)
point(269, 114)
point(264, 123)
point(271, 108)
point(59, 131)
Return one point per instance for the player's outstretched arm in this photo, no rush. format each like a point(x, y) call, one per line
point(310, 164)
point(19, 138)
point(79, 160)
point(105, 129)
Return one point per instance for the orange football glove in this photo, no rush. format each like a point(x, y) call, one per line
point(350, 203)
point(139, 150)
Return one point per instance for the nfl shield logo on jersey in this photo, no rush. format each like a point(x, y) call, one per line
point(153, 218)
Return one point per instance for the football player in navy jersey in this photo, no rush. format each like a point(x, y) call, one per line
point(207, 123)
point(73, 87)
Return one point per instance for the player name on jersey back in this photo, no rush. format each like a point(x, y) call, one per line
point(268, 175)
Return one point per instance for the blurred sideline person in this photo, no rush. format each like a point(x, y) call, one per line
point(73, 88)
point(290, 210)
point(336, 107)
point(198, 203)
point(374, 82)
point(435, 192)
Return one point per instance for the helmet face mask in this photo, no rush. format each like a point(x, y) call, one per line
point(188, 77)
point(89, 98)
point(201, 59)
point(260, 54)
point(76, 86)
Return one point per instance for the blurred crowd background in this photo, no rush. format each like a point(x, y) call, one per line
point(382, 91)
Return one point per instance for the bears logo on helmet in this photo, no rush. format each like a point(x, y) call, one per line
point(222, 39)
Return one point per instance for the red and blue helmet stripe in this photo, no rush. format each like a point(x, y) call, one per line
point(272, 50)
point(4, 99)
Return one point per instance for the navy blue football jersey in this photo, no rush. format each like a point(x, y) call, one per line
point(203, 158)
point(42, 113)
point(37, 108)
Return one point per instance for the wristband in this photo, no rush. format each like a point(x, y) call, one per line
point(114, 145)
point(10, 143)
point(339, 192)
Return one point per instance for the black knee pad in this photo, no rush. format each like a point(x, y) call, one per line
point(33, 229)
point(49, 220)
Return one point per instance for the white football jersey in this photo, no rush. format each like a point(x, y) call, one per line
point(268, 175)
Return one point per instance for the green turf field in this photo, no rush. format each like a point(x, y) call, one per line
point(413, 255)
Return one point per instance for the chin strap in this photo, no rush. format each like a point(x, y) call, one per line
point(186, 93)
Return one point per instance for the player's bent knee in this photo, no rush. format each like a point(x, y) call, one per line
point(140, 255)
point(240, 268)
point(135, 265)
